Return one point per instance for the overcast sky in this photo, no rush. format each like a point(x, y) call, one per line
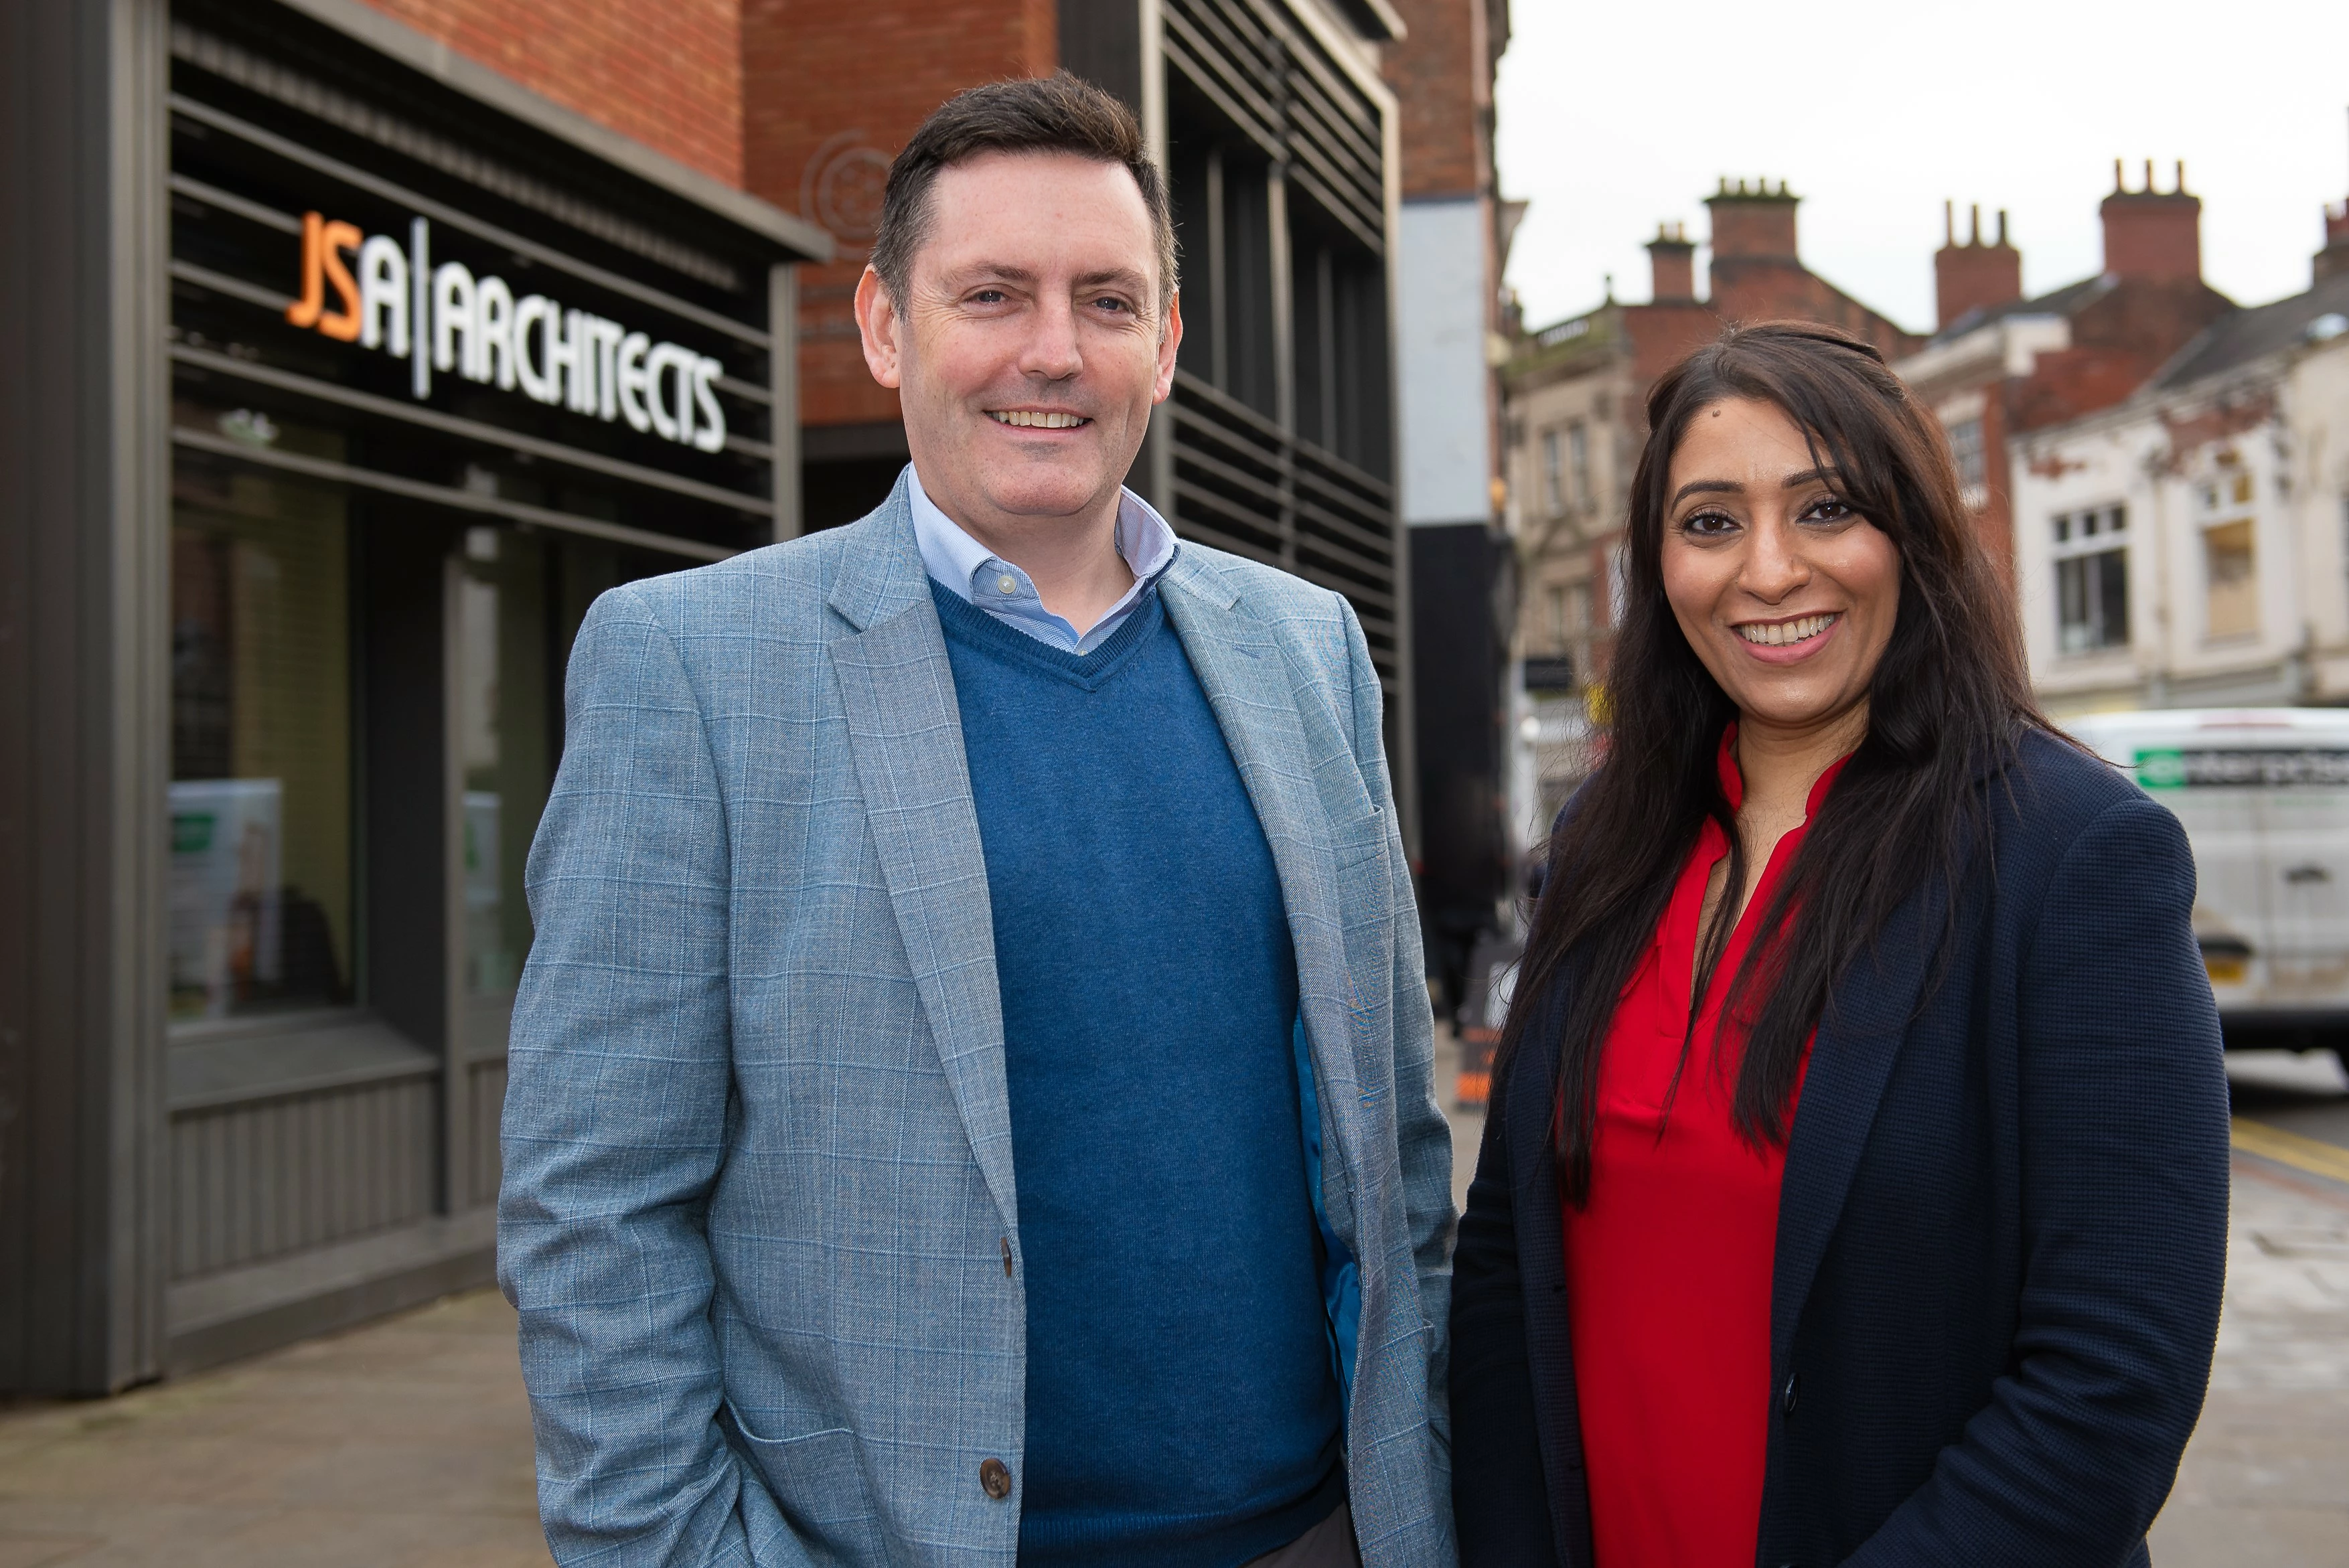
point(1616, 117)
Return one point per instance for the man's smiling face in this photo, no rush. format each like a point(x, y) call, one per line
point(1032, 345)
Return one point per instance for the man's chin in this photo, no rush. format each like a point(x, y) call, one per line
point(1054, 491)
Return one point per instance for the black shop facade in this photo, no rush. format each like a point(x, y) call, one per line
point(344, 374)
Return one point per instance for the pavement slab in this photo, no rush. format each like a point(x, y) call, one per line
point(408, 1442)
point(397, 1445)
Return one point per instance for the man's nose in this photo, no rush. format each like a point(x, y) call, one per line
point(1775, 566)
point(1051, 353)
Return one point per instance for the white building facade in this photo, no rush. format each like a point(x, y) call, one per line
point(2190, 546)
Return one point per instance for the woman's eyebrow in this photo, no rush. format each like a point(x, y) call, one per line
point(1709, 487)
point(1807, 476)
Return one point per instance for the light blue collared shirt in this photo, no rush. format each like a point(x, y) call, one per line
point(964, 567)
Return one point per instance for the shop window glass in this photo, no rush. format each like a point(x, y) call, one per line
point(2091, 579)
point(2231, 579)
point(260, 799)
point(505, 746)
point(2092, 599)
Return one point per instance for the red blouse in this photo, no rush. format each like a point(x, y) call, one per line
point(1667, 1265)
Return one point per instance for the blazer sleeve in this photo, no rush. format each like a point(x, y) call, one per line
point(615, 1123)
point(2122, 1118)
point(1421, 1130)
point(1500, 1500)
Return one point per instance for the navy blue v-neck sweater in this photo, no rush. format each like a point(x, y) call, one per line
point(1181, 1406)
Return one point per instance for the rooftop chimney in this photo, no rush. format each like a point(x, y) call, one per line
point(2149, 234)
point(1674, 256)
point(1753, 223)
point(2333, 260)
point(1974, 275)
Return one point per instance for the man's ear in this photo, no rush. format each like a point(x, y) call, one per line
point(878, 326)
point(1169, 341)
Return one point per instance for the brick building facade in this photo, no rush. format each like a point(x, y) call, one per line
point(1454, 231)
point(2000, 367)
point(367, 346)
point(683, 99)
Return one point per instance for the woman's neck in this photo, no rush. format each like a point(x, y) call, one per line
point(1780, 763)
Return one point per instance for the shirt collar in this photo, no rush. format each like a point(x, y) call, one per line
point(956, 559)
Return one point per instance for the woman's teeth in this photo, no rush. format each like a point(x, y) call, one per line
point(1029, 419)
point(1778, 633)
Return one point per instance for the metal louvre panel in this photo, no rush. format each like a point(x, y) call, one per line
point(252, 1181)
point(1244, 484)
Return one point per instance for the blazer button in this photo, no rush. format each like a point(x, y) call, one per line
point(1786, 1400)
point(994, 1479)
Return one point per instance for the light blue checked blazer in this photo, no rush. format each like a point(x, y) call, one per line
point(759, 1212)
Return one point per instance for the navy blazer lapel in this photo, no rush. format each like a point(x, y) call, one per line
point(1538, 1211)
point(905, 729)
point(1851, 1059)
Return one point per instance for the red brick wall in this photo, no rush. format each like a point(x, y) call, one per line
point(1441, 73)
point(1750, 289)
point(666, 72)
point(831, 92)
point(1752, 226)
point(1965, 276)
point(2155, 237)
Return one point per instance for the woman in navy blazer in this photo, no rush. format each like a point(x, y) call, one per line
point(1970, 1069)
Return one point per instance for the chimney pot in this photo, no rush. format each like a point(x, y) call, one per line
point(1974, 276)
point(1672, 262)
point(2153, 235)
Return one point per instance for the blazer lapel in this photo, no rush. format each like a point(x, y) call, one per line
point(1850, 1061)
point(1277, 744)
point(904, 730)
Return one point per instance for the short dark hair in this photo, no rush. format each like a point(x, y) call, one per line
point(1058, 113)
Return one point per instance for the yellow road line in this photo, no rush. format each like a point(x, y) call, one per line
point(2310, 1154)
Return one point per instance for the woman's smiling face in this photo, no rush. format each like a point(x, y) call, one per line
point(1787, 595)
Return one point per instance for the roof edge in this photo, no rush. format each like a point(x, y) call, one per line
point(364, 24)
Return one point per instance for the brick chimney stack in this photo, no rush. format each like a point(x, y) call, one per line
point(1752, 224)
point(2155, 235)
point(1973, 276)
point(1672, 255)
point(2333, 260)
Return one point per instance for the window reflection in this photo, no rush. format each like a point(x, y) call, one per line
point(503, 734)
point(260, 800)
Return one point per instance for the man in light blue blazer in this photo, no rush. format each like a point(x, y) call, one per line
point(971, 1096)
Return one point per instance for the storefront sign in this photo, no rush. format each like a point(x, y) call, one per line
point(442, 318)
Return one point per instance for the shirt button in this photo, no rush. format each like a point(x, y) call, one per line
point(1006, 583)
point(1787, 1402)
point(994, 1479)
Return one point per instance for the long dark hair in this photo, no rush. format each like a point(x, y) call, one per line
point(1947, 707)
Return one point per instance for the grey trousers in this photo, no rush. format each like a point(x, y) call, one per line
point(1329, 1544)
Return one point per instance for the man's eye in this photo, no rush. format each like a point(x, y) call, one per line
point(988, 297)
point(1110, 302)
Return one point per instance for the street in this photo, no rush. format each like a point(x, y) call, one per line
point(407, 1442)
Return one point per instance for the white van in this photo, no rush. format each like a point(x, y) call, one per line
point(2264, 796)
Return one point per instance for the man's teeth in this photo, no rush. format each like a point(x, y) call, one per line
point(1779, 634)
point(1030, 419)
